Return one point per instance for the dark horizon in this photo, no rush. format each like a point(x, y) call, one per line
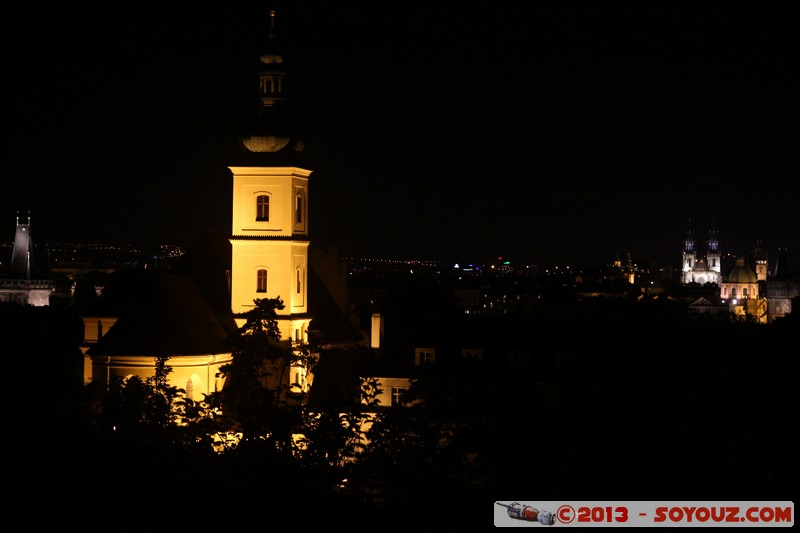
point(46, 254)
point(560, 137)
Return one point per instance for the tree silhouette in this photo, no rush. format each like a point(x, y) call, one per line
point(255, 402)
point(147, 408)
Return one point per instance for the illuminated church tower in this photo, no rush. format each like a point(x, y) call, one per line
point(21, 253)
point(760, 257)
point(270, 238)
point(713, 254)
point(701, 269)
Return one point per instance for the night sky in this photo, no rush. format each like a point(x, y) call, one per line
point(550, 135)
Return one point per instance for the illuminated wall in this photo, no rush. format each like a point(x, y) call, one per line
point(269, 243)
point(197, 374)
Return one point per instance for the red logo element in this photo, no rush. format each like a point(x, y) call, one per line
point(565, 514)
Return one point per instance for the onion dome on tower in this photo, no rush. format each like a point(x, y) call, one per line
point(271, 140)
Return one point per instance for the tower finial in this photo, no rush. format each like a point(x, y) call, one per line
point(272, 15)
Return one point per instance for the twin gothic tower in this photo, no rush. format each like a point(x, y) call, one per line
point(699, 269)
point(270, 237)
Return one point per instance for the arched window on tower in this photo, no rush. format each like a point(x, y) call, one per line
point(262, 208)
point(261, 280)
point(299, 281)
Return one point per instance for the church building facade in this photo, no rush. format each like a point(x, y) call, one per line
point(269, 259)
point(698, 268)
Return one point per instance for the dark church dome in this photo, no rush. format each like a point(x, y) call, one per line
point(741, 274)
point(272, 134)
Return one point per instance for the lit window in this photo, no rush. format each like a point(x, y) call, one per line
point(397, 395)
point(261, 280)
point(297, 379)
point(262, 207)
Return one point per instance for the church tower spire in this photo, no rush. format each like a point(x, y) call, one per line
point(22, 250)
point(689, 255)
point(271, 137)
point(269, 237)
point(713, 255)
point(760, 257)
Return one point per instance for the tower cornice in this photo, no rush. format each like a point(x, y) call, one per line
point(270, 171)
point(287, 238)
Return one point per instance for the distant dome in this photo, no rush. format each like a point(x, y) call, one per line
point(741, 274)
